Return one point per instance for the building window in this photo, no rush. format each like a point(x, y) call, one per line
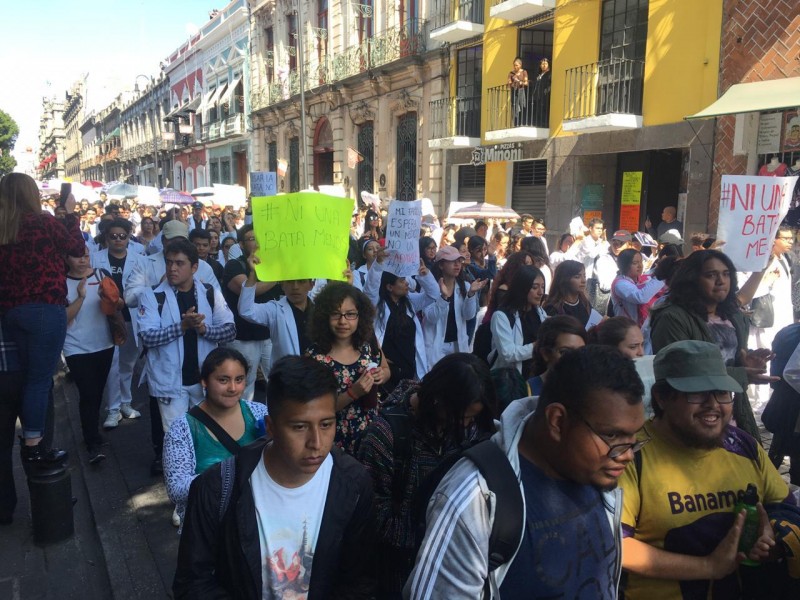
point(534, 45)
point(225, 170)
point(215, 172)
point(294, 165)
point(365, 23)
point(366, 147)
point(623, 33)
point(469, 69)
point(322, 23)
point(291, 41)
point(272, 157)
point(269, 46)
point(407, 157)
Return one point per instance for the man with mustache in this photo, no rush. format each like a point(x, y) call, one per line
point(681, 531)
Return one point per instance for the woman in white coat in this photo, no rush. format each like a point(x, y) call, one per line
point(445, 321)
point(516, 321)
point(397, 326)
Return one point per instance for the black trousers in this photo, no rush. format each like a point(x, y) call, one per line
point(89, 372)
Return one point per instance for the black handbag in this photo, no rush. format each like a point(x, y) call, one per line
point(763, 312)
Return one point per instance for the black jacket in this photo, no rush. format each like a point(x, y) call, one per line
point(222, 559)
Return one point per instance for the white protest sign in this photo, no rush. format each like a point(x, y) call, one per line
point(263, 183)
point(750, 210)
point(402, 237)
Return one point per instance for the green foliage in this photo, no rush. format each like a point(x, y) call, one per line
point(8, 137)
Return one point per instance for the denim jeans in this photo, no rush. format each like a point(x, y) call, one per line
point(39, 331)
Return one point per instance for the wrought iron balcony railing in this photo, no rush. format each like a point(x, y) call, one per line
point(456, 117)
point(607, 86)
point(524, 107)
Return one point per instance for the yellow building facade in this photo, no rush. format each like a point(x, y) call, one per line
point(601, 132)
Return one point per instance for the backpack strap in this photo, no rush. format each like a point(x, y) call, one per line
point(223, 437)
point(400, 423)
point(507, 527)
point(228, 475)
point(209, 294)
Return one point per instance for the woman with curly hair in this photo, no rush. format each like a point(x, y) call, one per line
point(568, 294)
point(342, 338)
point(702, 305)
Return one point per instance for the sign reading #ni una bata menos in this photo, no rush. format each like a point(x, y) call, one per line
point(403, 222)
point(750, 210)
point(302, 236)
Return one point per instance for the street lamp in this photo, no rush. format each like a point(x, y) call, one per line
point(151, 81)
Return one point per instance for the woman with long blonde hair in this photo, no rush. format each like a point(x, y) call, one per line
point(33, 297)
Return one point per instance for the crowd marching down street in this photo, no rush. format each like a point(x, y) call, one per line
point(504, 422)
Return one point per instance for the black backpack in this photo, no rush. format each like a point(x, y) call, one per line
point(492, 464)
point(482, 345)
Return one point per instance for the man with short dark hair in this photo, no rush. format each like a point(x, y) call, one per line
point(567, 450)
point(180, 321)
point(197, 220)
point(201, 238)
point(526, 221)
point(117, 261)
point(298, 516)
point(679, 526)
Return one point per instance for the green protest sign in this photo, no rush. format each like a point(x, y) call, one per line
point(302, 236)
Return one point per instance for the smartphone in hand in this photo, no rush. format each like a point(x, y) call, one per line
point(66, 190)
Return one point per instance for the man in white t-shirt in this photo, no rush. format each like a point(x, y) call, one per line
point(288, 518)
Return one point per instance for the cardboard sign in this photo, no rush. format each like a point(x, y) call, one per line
point(302, 236)
point(631, 187)
point(750, 210)
point(263, 183)
point(403, 222)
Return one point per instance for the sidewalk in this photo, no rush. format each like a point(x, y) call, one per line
point(124, 545)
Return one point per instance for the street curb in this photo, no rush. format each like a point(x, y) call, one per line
point(131, 566)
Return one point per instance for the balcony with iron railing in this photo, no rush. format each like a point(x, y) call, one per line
point(604, 96)
point(517, 10)
point(455, 122)
point(230, 126)
point(395, 43)
point(456, 20)
point(518, 115)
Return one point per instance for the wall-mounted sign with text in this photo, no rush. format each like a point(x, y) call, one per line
point(497, 153)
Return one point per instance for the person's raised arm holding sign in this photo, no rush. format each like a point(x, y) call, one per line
point(286, 318)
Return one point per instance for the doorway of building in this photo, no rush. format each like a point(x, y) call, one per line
point(323, 154)
point(661, 172)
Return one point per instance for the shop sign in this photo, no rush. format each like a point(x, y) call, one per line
point(631, 199)
point(497, 153)
point(769, 133)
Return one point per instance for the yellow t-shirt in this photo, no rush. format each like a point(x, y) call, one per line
point(684, 503)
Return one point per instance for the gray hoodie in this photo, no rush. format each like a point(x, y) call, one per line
point(453, 559)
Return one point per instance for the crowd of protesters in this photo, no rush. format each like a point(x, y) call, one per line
point(616, 382)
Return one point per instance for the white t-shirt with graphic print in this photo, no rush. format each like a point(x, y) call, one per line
point(288, 527)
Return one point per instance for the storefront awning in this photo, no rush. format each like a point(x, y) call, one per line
point(192, 105)
point(758, 96)
point(216, 96)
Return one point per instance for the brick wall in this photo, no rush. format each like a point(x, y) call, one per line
point(760, 41)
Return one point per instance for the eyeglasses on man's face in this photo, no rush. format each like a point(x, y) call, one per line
point(720, 396)
point(616, 450)
point(118, 236)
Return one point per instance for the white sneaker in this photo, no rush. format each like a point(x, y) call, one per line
point(176, 519)
point(112, 420)
point(129, 412)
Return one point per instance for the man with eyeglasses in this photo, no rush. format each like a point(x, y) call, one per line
point(568, 449)
point(120, 263)
point(680, 530)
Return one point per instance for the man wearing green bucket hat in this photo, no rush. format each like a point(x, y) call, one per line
point(681, 532)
